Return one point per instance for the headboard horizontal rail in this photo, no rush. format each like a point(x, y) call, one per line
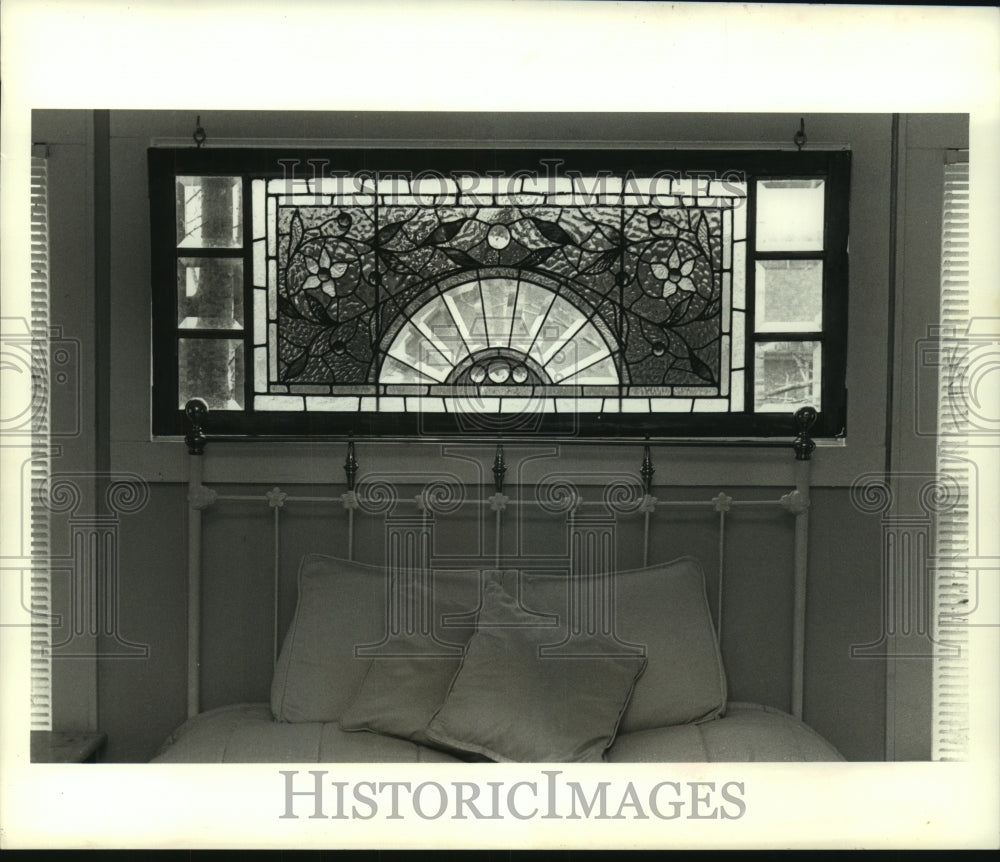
point(587, 520)
point(511, 502)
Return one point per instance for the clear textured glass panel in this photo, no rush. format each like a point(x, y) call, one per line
point(279, 402)
point(724, 372)
point(260, 317)
point(739, 275)
point(739, 345)
point(787, 375)
point(790, 215)
point(710, 405)
point(740, 223)
point(209, 293)
point(260, 263)
point(210, 369)
point(259, 209)
point(789, 296)
point(736, 391)
point(499, 295)
point(260, 369)
point(209, 212)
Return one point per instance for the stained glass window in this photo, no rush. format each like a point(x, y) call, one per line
point(654, 298)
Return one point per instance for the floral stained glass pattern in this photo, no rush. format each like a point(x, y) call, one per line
point(594, 292)
point(614, 297)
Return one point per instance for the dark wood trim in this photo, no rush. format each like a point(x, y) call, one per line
point(890, 361)
point(102, 290)
point(271, 163)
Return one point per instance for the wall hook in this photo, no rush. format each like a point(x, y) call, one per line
point(800, 136)
point(199, 133)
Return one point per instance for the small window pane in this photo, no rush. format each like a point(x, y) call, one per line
point(209, 293)
point(790, 215)
point(789, 296)
point(787, 376)
point(209, 212)
point(211, 369)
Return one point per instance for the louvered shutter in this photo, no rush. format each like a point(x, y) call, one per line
point(41, 597)
point(951, 699)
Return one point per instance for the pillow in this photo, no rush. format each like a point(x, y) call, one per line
point(510, 703)
point(343, 606)
point(664, 611)
point(400, 693)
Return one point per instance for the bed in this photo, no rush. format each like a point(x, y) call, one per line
point(496, 659)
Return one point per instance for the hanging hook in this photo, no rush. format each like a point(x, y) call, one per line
point(800, 136)
point(646, 470)
point(199, 133)
point(499, 469)
point(350, 465)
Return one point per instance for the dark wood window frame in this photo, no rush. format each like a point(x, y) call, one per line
point(833, 167)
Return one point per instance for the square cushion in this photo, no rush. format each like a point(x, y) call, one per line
point(662, 611)
point(401, 692)
point(346, 614)
point(510, 701)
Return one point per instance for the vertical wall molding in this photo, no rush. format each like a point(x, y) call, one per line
point(897, 157)
point(895, 255)
point(102, 289)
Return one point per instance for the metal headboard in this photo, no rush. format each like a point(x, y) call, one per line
point(620, 502)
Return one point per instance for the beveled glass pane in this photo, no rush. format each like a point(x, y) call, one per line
point(597, 373)
point(209, 212)
point(580, 359)
point(434, 320)
point(787, 375)
point(561, 324)
point(210, 369)
point(790, 215)
point(209, 293)
point(498, 301)
point(394, 371)
point(414, 349)
point(533, 303)
point(465, 303)
point(789, 296)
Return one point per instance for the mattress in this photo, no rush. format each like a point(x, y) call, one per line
point(748, 733)
point(246, 733)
